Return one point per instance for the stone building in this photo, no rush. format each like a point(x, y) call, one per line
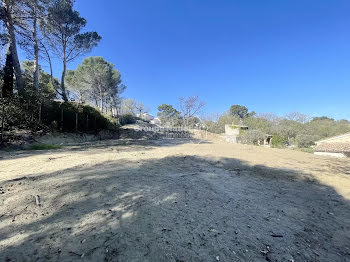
point(233, 133)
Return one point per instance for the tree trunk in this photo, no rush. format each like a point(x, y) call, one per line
point(111, 105)
point(13, 48)
point(63, 88)
point(40, 108)
point(36, 49)
point(101, 98)
point(7, 88)
point(61, 119)
point(2, 122)
point(51, 73)
point(50, 64)
point(76, 122)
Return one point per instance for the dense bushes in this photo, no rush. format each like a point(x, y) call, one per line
point(278, 141)
point(56, 115)
point(218, 127)
point(306, 140)
point(215, 127)
point(30, 114)
point(252, 137)
point(127, 119)
point(75, 117)
point(18, 113)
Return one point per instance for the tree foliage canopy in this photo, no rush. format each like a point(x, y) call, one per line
point(47, 89)
point(168, 115)
point(61, 29)
point(96, 81)
point(240, 111)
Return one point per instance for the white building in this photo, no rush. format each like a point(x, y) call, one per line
point(155, 121)
point(145, 116)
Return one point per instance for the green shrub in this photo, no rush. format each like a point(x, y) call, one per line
point(44, 147)
point(251, 136)
point(89, 118)
point(24, 114)
point(127, 119)
point(215, 127)
point(21, 114)
point(304, 141)
point(278, 141)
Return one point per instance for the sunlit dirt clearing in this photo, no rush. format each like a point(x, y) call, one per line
point(173, 200)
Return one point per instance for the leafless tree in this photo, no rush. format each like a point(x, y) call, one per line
point(141, 108)
point(268, 116)
point(298, 117)
point(190, 106)
point(213, 117)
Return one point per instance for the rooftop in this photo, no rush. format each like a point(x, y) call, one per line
point(335, 147)
point(329, 139)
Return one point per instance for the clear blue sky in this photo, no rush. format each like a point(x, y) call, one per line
point(272, 56)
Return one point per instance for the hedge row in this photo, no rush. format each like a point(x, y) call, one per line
point(75, 117)
point(64, 116)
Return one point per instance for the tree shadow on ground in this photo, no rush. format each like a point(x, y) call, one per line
point(110, 144)
point(181, 208)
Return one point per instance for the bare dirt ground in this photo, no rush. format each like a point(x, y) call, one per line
point(173, 200)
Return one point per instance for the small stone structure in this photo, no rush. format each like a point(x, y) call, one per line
point(232, 133)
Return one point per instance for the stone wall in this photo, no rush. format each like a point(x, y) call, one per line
point(231, 134)
point(339, 155)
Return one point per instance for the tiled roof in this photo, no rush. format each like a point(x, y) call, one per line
point(335, 147)
point(328, 140)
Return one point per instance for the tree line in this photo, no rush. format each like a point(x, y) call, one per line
point(186, 115)
point(293, 128)
point(49, 31)
point(44, 29)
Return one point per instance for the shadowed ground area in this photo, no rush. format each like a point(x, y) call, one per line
point(173, 201)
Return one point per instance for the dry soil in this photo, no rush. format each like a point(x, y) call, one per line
point(173, 200)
